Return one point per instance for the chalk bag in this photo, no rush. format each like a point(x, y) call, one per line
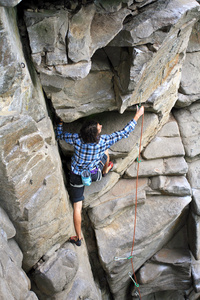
point(86, 177)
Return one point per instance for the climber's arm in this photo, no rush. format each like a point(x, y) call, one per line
point(124, 133)
point(66, 136)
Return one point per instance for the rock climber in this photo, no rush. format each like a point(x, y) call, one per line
point(90, 153)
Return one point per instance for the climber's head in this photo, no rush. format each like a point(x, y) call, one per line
point(90, 131)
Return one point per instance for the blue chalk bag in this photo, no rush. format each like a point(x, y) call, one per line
point(86, 177)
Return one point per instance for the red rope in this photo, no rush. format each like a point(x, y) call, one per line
point(136, 204)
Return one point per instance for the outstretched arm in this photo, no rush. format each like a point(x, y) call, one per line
point(124, 133)
point(62, 135)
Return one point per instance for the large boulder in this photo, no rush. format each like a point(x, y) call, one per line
point(188, 119)
point(20, 89)
point(14, 283)
point(31, 188)
point(159, 216)
point(169, 269)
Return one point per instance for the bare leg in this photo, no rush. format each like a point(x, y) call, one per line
point(77, 218)
point(106, 168)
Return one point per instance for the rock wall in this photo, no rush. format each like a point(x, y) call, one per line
point(75, 59)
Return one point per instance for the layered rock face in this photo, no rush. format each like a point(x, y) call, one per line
point(74, 60)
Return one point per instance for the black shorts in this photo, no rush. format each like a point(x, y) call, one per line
point(76, 186)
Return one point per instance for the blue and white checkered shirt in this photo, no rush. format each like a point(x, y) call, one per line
point(88, 155)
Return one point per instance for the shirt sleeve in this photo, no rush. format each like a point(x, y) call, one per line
point(67, 137)
point(118, 135)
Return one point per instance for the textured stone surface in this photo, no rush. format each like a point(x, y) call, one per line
point(167, 268)
point(47, 31)
point(6, 224)
point(30, 188)
point(96, 59)
point(57, 272)
point(164, 147)
point(194, 173)
point(146, 241)
point(188, 120)
point(194, 235)
point(154, 167)
point(116, 200)
point(141, 30)
point(82, 285)
point(20, 89)
point(196, 201)
point(171, 185)
point(195, 274)
point(9, 3)
point(14, 283)
point(189, 84)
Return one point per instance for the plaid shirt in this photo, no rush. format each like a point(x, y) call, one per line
point(88, 155)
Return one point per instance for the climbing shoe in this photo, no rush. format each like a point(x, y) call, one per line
point(75, 240)
point(110, 166)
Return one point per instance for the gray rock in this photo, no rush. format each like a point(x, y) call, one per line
point(194, 174)
point(29, 176)
point(196, 201)
point(196, 274)
point(188, 119)
point(79, 37)
point(83, 285)
point(17, 255)
point(57, 272)
point(147, 69)
point(186, 100)
point(14, 283)
point(20, 92)
point(194, 234)
point(99, 188)
point(169, 269)
point(164, 147)
point(154, 167)
point(47, 31)
point(170, 129)
point(73, 100)
point(167, 295)
point(6, 224)
point(108, 7)
point(175, 166)
point(189, 84)
point(144, 26)
point(156, 213)
point(105, 27)
point(171, 185)
point(111, 204)
point(160, 66)
point(129, 66)
point(31, 296)
point(147, 168)
point(193, 45)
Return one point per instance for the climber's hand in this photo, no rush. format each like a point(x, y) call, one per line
point(139, 113)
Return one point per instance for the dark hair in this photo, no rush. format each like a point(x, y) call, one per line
point(89, 132)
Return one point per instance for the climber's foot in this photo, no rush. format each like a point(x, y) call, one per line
point(75, 240)
point(110, 166)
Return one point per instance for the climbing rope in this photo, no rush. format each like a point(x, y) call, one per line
point(136, 190)
point(134, 231)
